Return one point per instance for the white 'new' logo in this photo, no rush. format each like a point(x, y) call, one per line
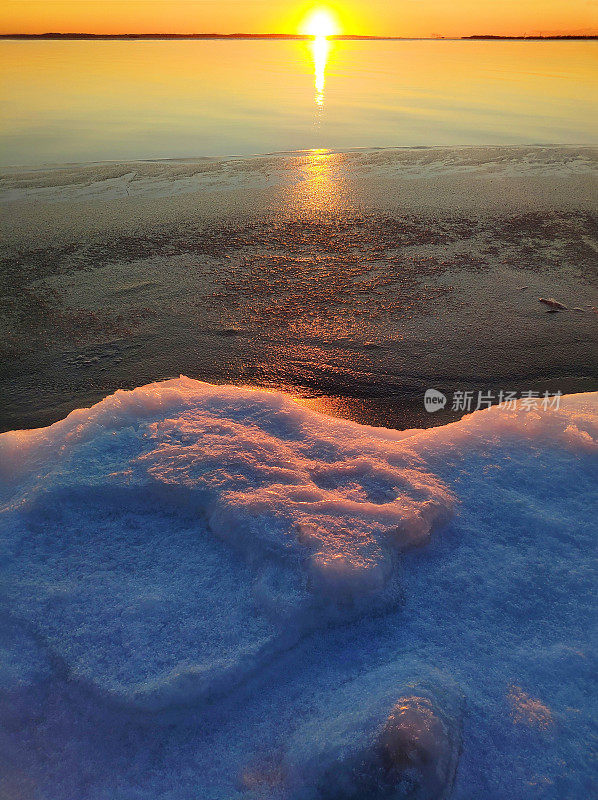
point(434, 400)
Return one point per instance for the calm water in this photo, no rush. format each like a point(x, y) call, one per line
point(87, 101)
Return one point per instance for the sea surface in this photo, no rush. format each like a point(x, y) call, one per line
point(80, 101)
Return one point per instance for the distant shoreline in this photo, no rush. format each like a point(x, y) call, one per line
point(284, 36)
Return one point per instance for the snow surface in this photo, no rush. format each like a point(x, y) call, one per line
point(216, 592)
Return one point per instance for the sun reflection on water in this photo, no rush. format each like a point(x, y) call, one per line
point(321, 24)
point(320, 50)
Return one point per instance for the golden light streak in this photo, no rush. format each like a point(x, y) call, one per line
point(320, 49)
point(318, 187)
point(320, 23)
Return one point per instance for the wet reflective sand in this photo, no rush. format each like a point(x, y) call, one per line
point(354, 281)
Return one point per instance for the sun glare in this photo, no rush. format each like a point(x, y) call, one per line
point(320, 24)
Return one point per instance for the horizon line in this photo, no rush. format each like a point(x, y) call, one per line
point(294, 36)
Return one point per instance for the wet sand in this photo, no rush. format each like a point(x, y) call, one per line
point(355, 281)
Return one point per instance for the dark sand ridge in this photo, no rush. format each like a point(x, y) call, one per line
point(355, 280)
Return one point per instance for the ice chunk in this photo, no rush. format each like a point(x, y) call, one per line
point(365, 743)
point(417, 747)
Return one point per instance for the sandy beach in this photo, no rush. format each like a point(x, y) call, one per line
point(352, 280)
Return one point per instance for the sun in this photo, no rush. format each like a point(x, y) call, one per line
point(320, 24)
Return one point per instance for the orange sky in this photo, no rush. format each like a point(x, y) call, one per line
point(379, 17)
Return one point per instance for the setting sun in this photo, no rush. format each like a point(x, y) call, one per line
point(321, 23)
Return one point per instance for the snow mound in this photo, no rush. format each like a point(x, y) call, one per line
point(177, 543)
point(169, 539)
point(572, 423)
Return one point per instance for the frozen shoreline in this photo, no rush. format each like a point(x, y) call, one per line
point(355, 281)
point(453, 235)
point(169, 553)
point(361, 175)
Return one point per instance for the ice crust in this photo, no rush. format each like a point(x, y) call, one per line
point(180, 563)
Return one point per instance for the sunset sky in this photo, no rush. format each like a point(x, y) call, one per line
point(379, 17)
